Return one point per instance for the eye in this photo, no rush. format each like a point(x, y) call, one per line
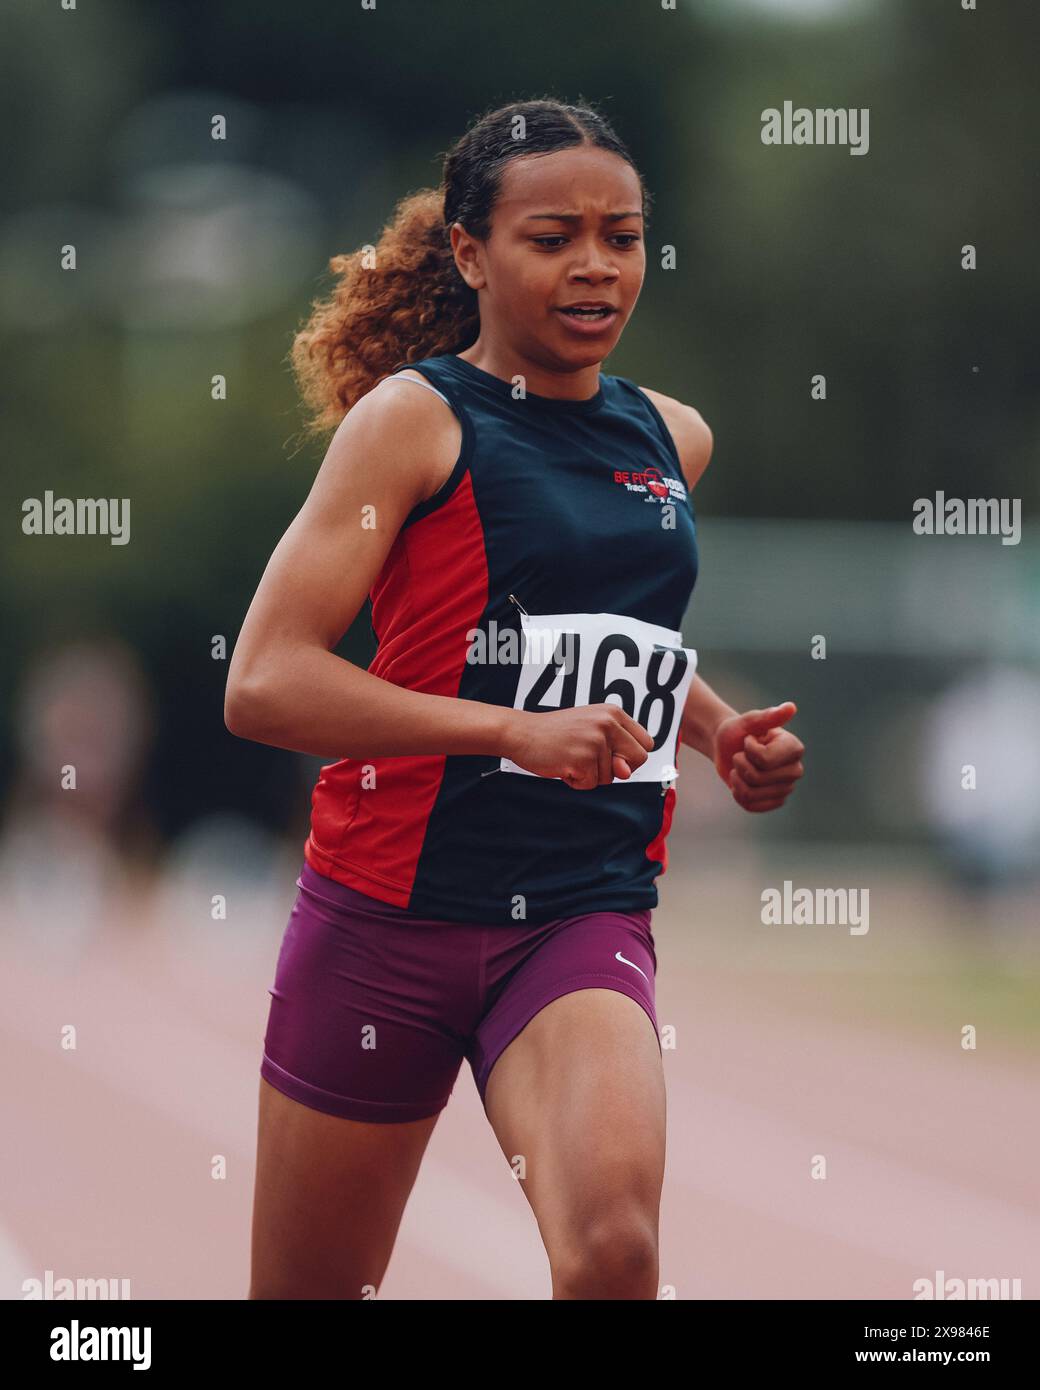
point(627, 238)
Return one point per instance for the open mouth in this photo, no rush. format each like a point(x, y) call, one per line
point(590, 314)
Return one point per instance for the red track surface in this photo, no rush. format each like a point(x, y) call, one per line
point(932, 1152)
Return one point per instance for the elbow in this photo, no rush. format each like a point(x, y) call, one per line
point(243, 708)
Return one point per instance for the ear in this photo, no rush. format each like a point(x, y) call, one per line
point(465, 250)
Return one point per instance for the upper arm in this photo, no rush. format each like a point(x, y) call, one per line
point(690, 433)
point(392, 450)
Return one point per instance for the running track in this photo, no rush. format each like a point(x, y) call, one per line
point(932, 1152)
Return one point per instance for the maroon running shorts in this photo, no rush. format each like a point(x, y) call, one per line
point(374, 1008)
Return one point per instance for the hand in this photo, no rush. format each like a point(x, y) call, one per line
point(759, 761)
point(586, 747)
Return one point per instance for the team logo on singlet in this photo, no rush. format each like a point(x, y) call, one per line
point(652, 483)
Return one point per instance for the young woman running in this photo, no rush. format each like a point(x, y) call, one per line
point(480, 872)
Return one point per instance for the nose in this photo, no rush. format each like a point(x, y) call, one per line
point(592, 262)
point(594, 268)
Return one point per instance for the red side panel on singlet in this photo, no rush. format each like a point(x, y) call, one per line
point(421, 647)
point(658, 846)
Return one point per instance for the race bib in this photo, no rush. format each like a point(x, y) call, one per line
point(573, 659)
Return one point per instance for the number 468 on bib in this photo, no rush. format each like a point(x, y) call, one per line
point(575, 659)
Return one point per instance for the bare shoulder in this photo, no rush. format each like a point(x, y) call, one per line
point(693, 439)
point(403, 427)
point(405, 404)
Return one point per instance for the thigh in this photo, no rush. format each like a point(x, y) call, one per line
point(370, 1008)
point(579, 1096)
point(365, 1036)
point(328, 1199)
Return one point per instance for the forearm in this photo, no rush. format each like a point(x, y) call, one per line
point(312, 701)
point(703, 713)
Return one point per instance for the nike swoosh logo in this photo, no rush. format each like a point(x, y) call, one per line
point(619, 956)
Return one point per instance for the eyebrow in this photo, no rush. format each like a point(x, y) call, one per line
point(576, 216)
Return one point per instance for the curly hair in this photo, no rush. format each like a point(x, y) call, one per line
point(404, 299)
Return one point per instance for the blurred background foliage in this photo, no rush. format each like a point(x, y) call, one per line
point(198, 257)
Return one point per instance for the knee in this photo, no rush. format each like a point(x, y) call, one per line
point(614, 1256)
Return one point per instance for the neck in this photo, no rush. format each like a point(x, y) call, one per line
point(557, 383)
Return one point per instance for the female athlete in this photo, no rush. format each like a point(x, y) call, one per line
point(479, 875)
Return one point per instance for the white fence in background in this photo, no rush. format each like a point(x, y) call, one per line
point(865, 586)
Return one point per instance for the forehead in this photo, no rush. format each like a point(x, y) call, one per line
point(582, 179)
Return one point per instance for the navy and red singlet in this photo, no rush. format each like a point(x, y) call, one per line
point(557, 503)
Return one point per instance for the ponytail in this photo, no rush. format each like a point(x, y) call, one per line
point(398, 302)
